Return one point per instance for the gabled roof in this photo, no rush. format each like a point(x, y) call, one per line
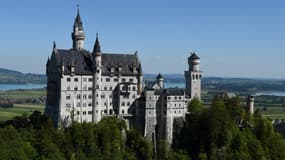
point(82, 61)
point(174, 91)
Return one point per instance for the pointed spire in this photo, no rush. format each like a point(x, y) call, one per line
point(77, 21)
point(97, 48)
point(193, 56)
point(54, 45)
point(159, 76)
point(48, 61)
point(140, 68)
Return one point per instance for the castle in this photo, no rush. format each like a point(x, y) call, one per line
point(88, 86)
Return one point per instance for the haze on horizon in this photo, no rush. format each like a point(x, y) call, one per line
point(233, 38)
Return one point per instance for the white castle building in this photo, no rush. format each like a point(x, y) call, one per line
point(87, 86)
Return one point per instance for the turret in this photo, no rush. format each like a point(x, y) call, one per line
point(96, 54)
point(97, 73)
point(78, 34)
point(250, 104)
point(193, 77)
point(159, 80)
point(194, 62)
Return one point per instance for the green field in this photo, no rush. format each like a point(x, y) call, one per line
point(24, 94)
point(19, 109)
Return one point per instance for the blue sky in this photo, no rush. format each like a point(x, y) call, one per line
point(234, 38)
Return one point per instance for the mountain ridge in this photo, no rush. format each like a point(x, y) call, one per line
point(16, 77)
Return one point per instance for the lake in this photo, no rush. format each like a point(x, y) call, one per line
point(271, 93)
point(6, 87)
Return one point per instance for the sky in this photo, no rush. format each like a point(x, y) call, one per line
point(233, 38)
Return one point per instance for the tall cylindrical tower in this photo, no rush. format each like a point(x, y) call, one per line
point(78, 34)
point(250, 104)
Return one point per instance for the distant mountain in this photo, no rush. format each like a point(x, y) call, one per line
point(15, 77)
point(221, 84)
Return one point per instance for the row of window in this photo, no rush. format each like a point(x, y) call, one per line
point(179, 104)
point(169, 97)
point(175, 97)
point(75, 79)
point(175, 112)
point(68, 105)
point(79, 96)
point(91, 112)
point(105, 111)
point(128, 88)
point(196, 76)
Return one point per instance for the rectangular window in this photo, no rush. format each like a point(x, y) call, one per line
point(68, 79)
point(89, 112)
point(84, 79)
point(107, 79)
point(116, 79)
point(84, 112)
point(105, 88)
point(90, 79)
point(89, 104)
point(68, 105)
point(111, 88)
point(103, 96)
point(75, 88)
point(68, 97)
point(89, 88)
point(123, 79)
point(89, 96)
point(75, 79)
point(131, 80)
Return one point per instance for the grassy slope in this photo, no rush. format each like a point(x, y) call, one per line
point(24, 94)
point(19, 109)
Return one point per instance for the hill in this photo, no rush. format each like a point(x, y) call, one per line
point(243, 86)
point(15, 77)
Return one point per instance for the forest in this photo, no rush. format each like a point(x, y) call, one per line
point(222, 131)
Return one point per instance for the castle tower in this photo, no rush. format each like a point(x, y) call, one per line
point(159, 80)
point(250, 104)
point(193, 77)
point(78, 33)
point(97, 72)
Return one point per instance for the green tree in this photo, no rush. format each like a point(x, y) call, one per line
point(12, 145)
point(195, 106)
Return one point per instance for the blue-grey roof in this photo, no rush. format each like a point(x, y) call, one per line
point(82, 61)
point(193, 56)
point(78, 22)
point(174, 91)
